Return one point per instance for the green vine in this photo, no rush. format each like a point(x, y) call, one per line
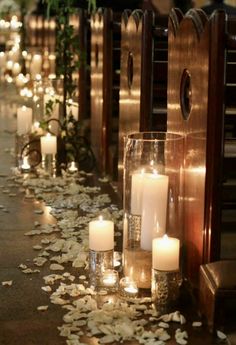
point(68, 61)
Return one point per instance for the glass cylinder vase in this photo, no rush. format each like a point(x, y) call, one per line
point(152, 197)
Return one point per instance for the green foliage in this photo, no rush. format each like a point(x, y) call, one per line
point(68, 61)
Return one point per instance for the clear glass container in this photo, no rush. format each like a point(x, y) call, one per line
point(152, 196)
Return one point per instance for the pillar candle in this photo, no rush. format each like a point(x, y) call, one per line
point(2, 59)
point(36, 65)
point(165, 253)
point(137, 193)
point(16, 68)
point(48, 144)
point(9, 64)
point(101, 235)
point(154, 207)
point(24, 120)
point(20, 80)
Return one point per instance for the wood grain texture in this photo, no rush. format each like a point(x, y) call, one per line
point(188, 54)
point(101, 84)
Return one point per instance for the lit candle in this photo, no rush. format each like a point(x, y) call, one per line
point(72, 167)
point(24, 120)
point(20, 80)
point(36, 65)
point(101, 235)
point(110, 278)
point(128, 287)
point(52, 63)
point(16, 68)
point(9, 65)
point(48, 144)
point(25, 165)
point(2, 59)
point(165, 253)
point(154, 208)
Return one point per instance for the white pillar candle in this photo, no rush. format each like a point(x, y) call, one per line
point(154, 207)
point(101, 235)
point(36, 65)
point(24, 120)
point(165, 253)
point(2, 60)
point(137, 193)
point(9, 65)
point(20, 80)
point(48, 144)
point(16, 68)
point(14, 54)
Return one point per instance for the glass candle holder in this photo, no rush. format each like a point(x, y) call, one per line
point(153, 197)
point(101, 249)
point(165, 290)
point(48, 145)
point(128, 287)
point(109, 280)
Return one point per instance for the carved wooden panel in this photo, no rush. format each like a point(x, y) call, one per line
point(101, 84)
point(188, 70)
point(130, 119)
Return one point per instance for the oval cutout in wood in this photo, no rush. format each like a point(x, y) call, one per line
point(130, 70)
point(186, 94)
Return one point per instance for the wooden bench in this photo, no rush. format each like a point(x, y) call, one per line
point(197, 98)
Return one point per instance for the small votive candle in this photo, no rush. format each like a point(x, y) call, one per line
point(109, 279)
point(25, 167)
point(72, 167)
point(128, 287)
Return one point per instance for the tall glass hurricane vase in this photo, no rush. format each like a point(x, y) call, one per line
point(152, 198)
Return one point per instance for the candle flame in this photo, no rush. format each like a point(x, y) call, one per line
point(100, 218)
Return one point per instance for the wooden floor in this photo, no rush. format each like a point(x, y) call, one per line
point(20, 321)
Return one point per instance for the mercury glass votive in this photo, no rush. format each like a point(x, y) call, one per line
point(101, 249)
point(166, 277)
point(48, 144)
point(165, 289)
point(109, 280)
point(128, 287)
